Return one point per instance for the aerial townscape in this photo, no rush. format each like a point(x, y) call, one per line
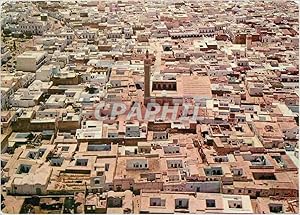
point(151, 106)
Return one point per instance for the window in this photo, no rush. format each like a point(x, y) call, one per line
point(276, 208)
point(210, 203)
point(65, 148)
point(181, 203)
point(235, 204)
point(157, 202)
point(81, 162)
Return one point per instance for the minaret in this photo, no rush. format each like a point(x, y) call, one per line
point(147, 69)
point(248, 41)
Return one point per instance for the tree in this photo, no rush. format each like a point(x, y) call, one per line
point(20, 35)
point(6, 32)
point(28, 35)
point(30, 136)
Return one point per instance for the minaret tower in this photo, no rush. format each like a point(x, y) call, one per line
point(147, 70)
point(248, 41)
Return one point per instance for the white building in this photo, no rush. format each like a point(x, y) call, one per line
point(30, 61)
point(89, 34)
point(56, 101)
point(25, 98)
point(35, 27)
point(114, 33)
point(90, 130)
point(38, 85)
point(46, 72)
point(160, 30)
point(67, 34)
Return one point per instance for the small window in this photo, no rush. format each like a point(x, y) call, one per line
point(210, 203)
point(65, 148)
point(276, 208)
point(81, 162)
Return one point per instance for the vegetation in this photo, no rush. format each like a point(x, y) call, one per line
point(6, 32)
point(28, 35)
